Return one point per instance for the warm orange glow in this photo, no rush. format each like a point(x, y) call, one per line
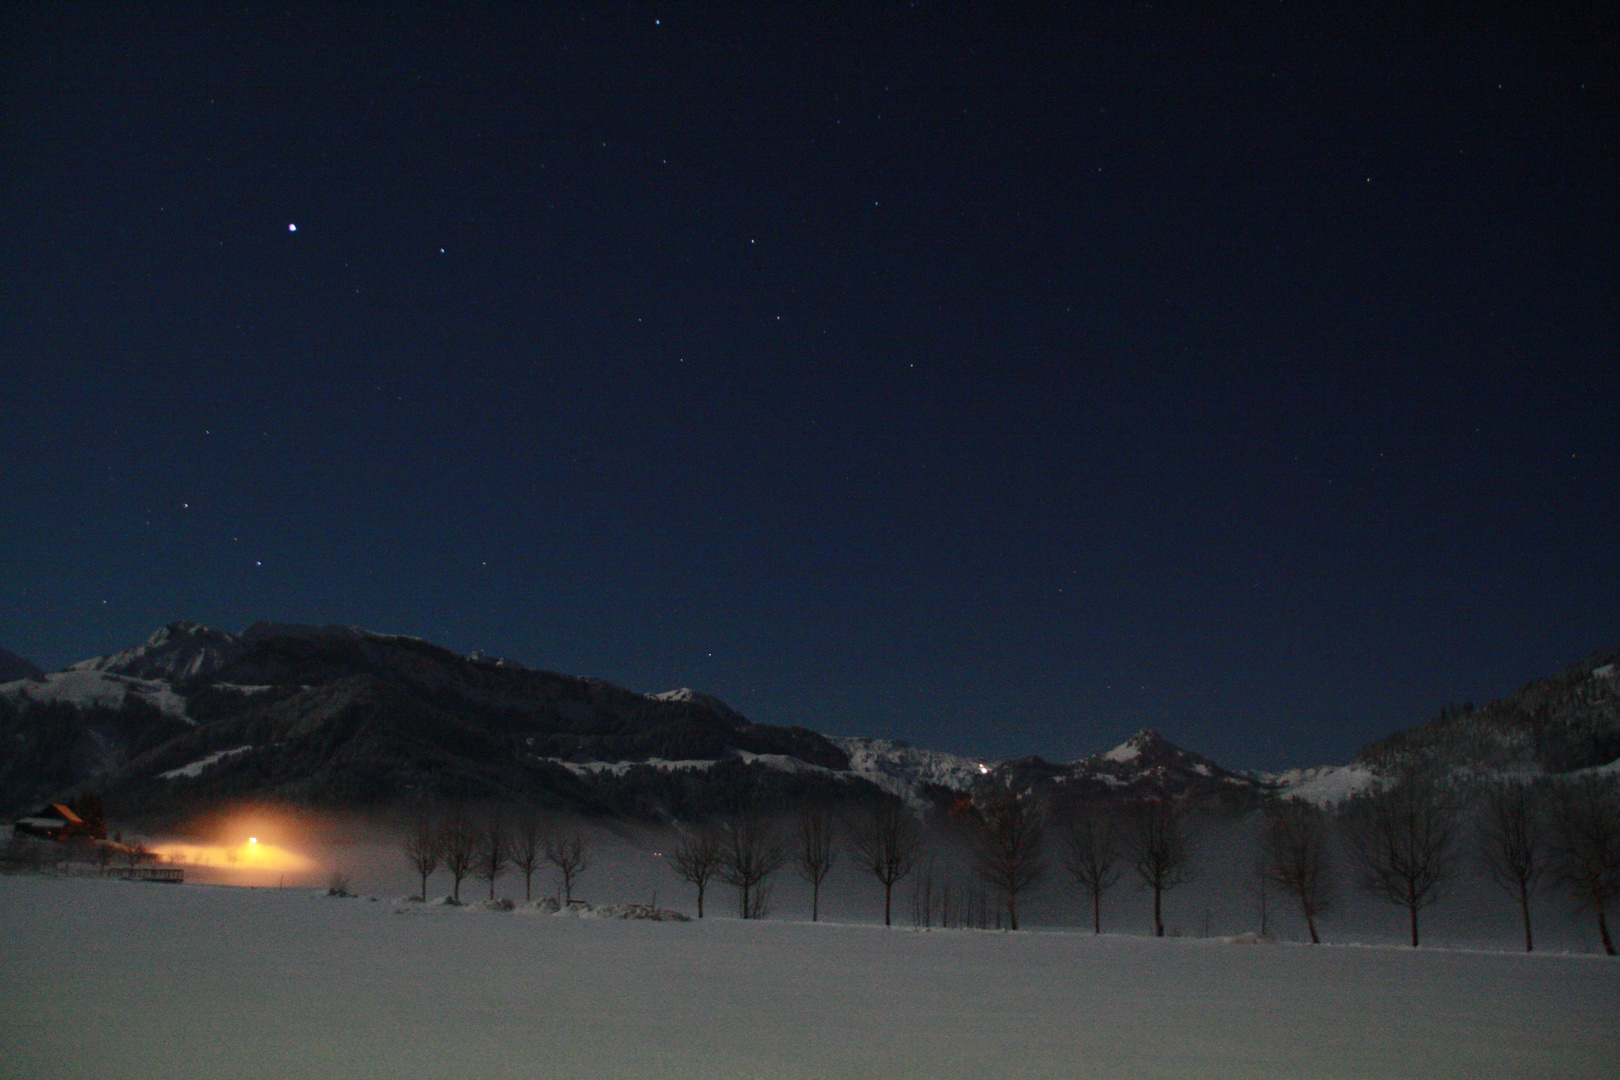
point(251, 855)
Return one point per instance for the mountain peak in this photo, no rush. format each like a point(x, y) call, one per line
point(686, 695)
point(176, 650)
point(1144, 743)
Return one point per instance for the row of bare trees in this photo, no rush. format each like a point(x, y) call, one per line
point(1405, 842)
point(1006, 837)
point(743, 850)
point(486, 845)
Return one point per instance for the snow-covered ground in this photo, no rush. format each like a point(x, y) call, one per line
point(105, 978)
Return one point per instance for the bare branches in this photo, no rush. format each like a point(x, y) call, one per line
point(525, 844)
point(816, 851)
point(458, 844)
point(1160, 846)
point(491, 852)
point(1402, 839)
point(750, 852)
point(885, 843)
point(571, 855)
point(696, 858)
point(1090, 839)
point(1007, 848)
point(1587, 815)
point(1512, 844)
point(422, 847)
point(1293, 845)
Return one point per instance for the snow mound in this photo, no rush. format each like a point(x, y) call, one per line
point(580, 909)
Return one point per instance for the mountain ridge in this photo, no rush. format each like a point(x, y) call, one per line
point(341, 715)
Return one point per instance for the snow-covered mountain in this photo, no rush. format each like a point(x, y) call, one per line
point(86, 688)
point(904, 770)
point(178, 651)
point(341, 715)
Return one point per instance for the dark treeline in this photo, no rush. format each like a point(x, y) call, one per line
point(971, 863)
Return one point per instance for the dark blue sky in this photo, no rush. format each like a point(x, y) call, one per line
point(1003, 383)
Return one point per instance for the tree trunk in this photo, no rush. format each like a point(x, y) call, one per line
point(1524, 909)
point(1412, 910)
point(1012, 911)
point(815, 901)
point(424, 886)
point(1096, 913)
point(1603, 928)
point(700, 901)
point(1310, 924)
point(1158, 917)
point(888, 891)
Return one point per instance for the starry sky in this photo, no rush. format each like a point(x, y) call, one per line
point(1003, 378)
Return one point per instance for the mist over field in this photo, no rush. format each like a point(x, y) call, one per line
point(630, 863)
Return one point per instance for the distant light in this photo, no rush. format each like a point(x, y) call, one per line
point(253, 839)
point(984, 768)
point(291, 227)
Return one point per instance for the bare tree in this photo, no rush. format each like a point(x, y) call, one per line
point(1294, 857)
point(135, 853)
point(1402, 840)
point(1090, 839)
point(422, 848)
point(696, 858)
point(525, 849)
point(1160, 846)
point(571, 855)
point(1513, 844)
point(750, 852)
point(1586, 814)
point(816, 851)
point(1007, 846)
point(458, 845)
point(885, 843)
point(492, 850)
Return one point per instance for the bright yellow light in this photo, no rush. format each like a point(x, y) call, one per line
point(249, 856)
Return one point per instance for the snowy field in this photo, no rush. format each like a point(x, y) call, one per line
point(111, 979)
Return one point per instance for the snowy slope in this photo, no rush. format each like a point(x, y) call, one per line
point(90, 688)
point(901, 768)
point(1326, 785)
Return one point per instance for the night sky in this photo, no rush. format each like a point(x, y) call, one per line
point(1003, 378)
